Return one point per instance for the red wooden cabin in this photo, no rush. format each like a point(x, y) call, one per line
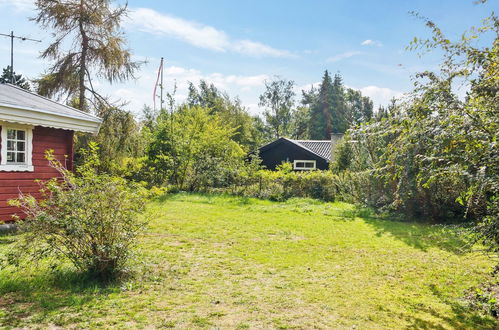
point(29, 125)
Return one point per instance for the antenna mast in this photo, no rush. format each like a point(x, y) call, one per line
point(12, 37)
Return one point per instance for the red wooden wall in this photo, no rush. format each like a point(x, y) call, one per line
point(61, 141)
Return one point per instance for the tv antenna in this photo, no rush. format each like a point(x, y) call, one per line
point(12, 37)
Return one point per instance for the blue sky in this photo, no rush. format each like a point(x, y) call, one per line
point(237, 45)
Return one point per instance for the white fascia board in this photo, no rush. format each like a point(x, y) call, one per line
point(43, 118)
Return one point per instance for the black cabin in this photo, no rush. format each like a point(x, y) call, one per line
point(303, 154)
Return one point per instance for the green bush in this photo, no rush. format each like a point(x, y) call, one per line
point(193, 150)
point(485, 298)
point(87, 218)
point(284, 183)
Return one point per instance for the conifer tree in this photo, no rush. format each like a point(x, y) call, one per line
point(338, 108)
point(19, 80)
point(96, 47)
point(320, 115)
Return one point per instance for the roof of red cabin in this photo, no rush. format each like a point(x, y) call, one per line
point(25, 107)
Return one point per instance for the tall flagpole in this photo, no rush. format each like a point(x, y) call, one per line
point(161, 86)
point(159, 81)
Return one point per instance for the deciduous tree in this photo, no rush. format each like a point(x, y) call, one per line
point(278, 101)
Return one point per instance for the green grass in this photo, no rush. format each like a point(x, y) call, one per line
point(227, 262)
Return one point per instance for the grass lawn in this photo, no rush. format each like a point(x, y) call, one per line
point(227, 262)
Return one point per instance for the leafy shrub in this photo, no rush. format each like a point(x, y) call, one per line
point(284, 183)
point(87, 218)
point(485, 298)
point(193, 149)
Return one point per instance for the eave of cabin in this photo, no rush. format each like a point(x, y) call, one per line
point(24, 107)
point(35, 117)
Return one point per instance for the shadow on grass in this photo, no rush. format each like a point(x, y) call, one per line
point(419, 235)
point(206, 198)
point(39, 295)
point(7, 234)
point(462, 317)
point(422, 236)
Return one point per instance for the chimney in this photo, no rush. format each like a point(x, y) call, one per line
point(335, 138)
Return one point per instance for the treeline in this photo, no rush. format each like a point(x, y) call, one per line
point(204, 142)
point(328, 108)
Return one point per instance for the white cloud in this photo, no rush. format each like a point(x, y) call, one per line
point(199, 35)
point(380, 95)
point(342, 56)
point(253, 108)
point(196, 34)
point(140, 92)
point(257, 49)
point(370, 42)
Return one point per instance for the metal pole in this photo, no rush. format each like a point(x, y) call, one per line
point(161, 86)
point(12, 36)
point(12, 57)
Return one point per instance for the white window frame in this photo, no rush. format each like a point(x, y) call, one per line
point(304, 168)
point(28, 165)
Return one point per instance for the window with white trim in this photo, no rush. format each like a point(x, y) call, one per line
point(304, 165)
point(16, 148)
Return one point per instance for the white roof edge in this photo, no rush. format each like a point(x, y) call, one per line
point(50, 100)
point(35, 117)
point(15, 106)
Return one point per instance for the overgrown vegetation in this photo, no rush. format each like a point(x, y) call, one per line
point(436, 155)
point(432, 158)
point(192, 149)
point(86, 218)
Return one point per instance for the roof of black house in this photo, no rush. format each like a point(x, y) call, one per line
point(321, 148)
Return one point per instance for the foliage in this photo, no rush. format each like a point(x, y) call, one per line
point(91, 27)
point(193, 149)
point(230, 111)
point(278, 101)
point(19, 80)
point(485, 298)
point(301, 123)
point(89, 219)
point(120, 137)
point(436, 155)
point(359, 107)
point(334, 108)
point(284, 183)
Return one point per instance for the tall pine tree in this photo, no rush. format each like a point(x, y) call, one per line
point(338, 109)
point(333, 108)
point(88, 43)
point(320, 114)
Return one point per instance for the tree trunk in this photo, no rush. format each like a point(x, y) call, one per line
point(83, 59)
